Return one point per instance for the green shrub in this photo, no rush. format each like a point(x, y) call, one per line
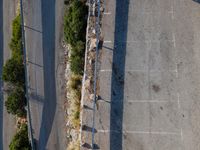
point(77, 64)
point(20, 141)
point(13, 71)
point(16, 41)
point(78, 49)
point(77, 58)
point(75, 22)
point(16, 102)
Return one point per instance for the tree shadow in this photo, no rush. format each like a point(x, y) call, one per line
point(49, 106)
point(1, 66)
point(38, 65)
point(87, 128)
point(87, 107)
point(198, 1)
point(118, 74)
point(88, 146)
point(34, 96)
point(106, 47)
point(33, 29)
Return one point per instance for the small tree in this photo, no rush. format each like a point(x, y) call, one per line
point(16, 102)
point(20, 140)
point(13, 71)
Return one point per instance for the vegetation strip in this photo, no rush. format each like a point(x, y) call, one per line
point(75, 23)
point(13, 75)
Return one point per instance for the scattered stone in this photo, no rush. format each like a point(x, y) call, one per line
point(93, 43)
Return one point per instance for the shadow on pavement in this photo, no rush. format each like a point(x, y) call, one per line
point(198, 1)
point(32, 63)
point(1, 65)
point(49, 106)
point(87, 128)
point(33, 29)
point(88, 146)
point(36, 97)
point(118, 74)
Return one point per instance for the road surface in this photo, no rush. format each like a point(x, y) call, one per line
point(149, 76)
point(7, 121)
point(45, 56)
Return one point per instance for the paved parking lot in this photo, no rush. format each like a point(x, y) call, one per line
point(150, 76)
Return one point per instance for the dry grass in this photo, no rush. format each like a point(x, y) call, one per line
point(75, 98)
point(74, 145)
point(18, 7)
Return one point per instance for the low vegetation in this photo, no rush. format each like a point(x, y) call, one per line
point(74, 145)
point(16, 41)
point(75, 23)
point(77, 58)
point(16, 102)
point(13, 74)
point(75, 96)
point(20, 140)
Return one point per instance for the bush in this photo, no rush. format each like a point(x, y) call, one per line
point(77, 64)
point(13, 71)
point(75, 22)
point(78, 49)
point(77, 58)
point(16, 102)
point(20, 140)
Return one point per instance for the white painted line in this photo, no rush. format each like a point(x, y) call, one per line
point(135, 70)
point(174, 40)
point(176, 70)
point(107, 41)
point(146, 41)
point(178, 100)
point(107, 13)
point(172, 12)
point(106, 70)
point(140, 132)
point(139, 101)
point(130, 42)
point(150, 12)
point(181, 134)
point(147, 101)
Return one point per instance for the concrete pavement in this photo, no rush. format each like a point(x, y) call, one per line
point(43, 32)
point(149, 76)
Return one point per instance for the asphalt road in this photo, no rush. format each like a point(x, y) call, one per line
point(45, 56)
point(149, 76)
point(7, 121)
